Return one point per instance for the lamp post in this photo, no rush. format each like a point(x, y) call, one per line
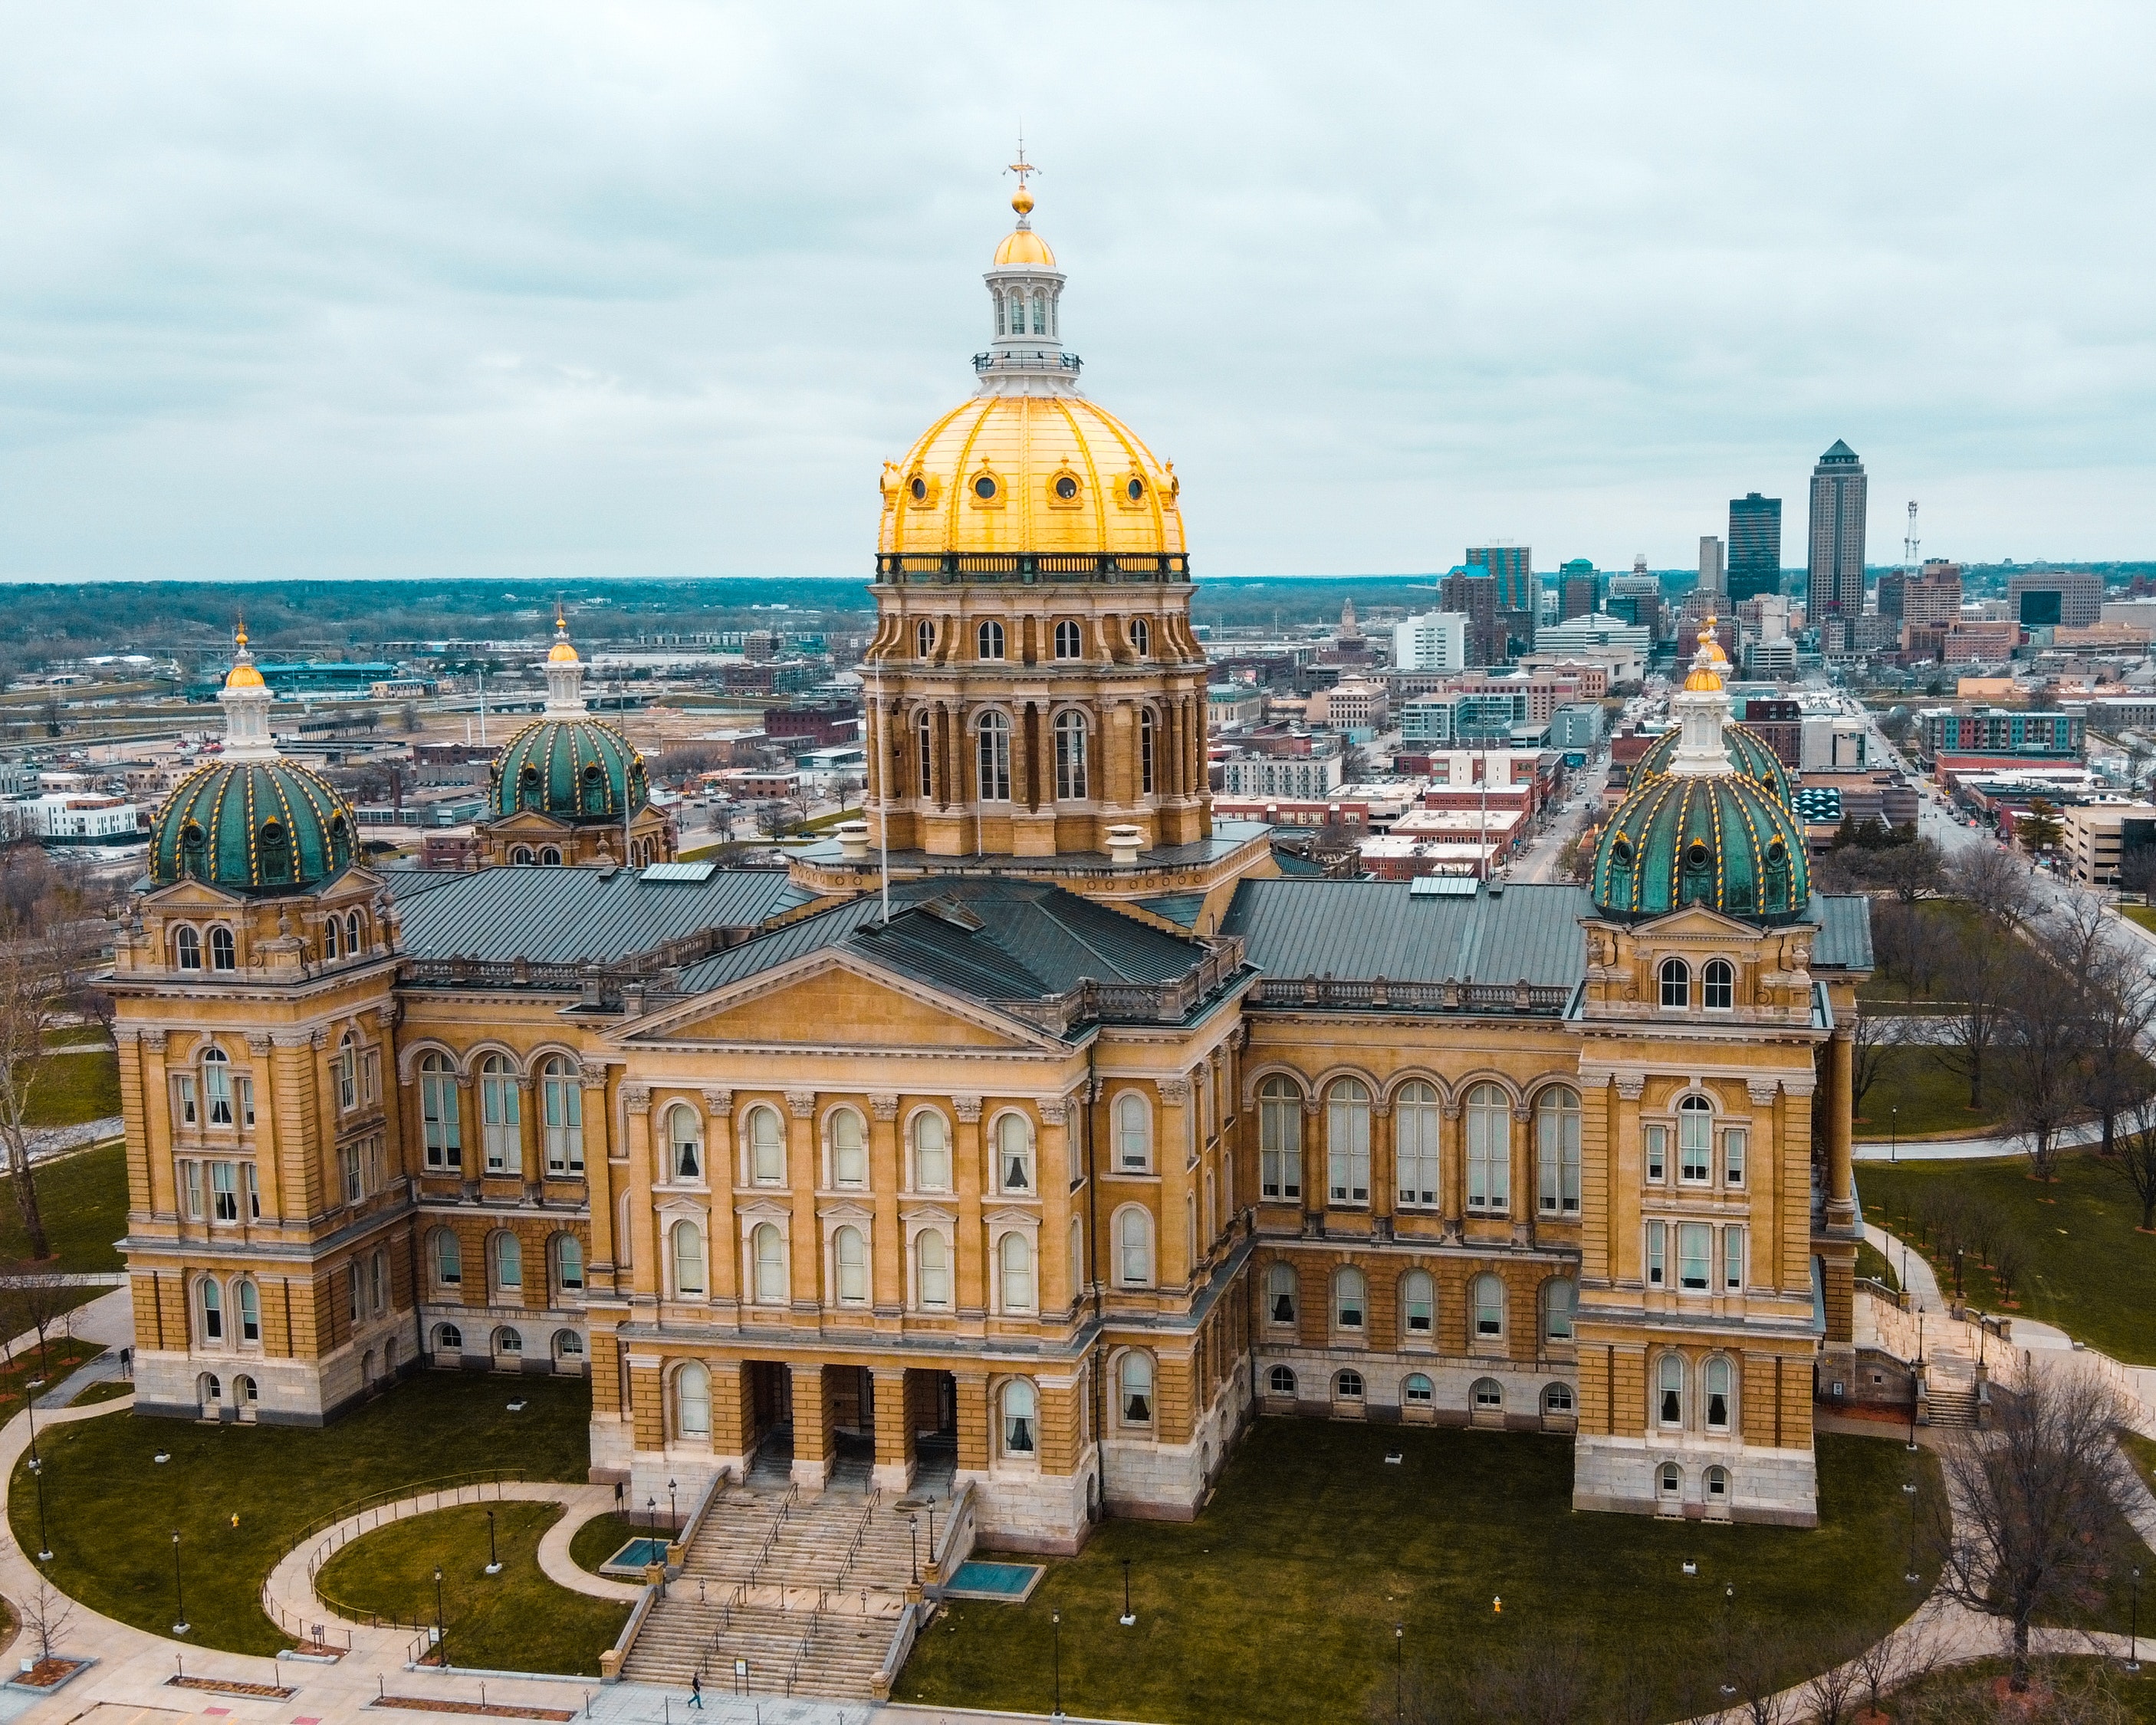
point(1728, 1645)
point(1129, 1616)
point(1894, 1137)
point(2133, 1625)
point(673, 1509)
point(493, 1561)
point(913, 1526)
point(441, 1624)
point(1910, 1574)
point(179, 1590)
point(1400, 1671)
point(1056, 1624)
point(651, 1516)
point(1957, 1253)
point(44, 1543)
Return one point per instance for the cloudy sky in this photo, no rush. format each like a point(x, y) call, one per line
point(645, 289)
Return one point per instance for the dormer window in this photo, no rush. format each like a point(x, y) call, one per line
point(1718, 986)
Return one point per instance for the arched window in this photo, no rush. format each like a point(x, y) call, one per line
point(692, 1401)
point(1557, 1398)
point(1557, 1150)
point(1489, 1298)
point(1416, 1392)
point(568, 1347)
point(1021, 1418)
point(1348, 1141)
point(440, 1128)
point(1676, 982)
point(684, 1143)
point(924, 639)
point(250, 1302)
point(688, 1283)
point(1695, 1136)
point(1489, 1396)
point(1558, 1297)
point(448, 1339)
point(1669, 1390)
point(1718, 986)
point(931, 1152)
point(449, 1259)
point(1014, 1257)
point(353, 930)
point(1134, 1248)
point(1133, 1134)
point(993, 757)
point(1141, 637)
point(569, 1265)
point(223, 954)
point(550, 853)
point(216, 1087)
point(767, 1146)
point(1070, 757)
point(767, 1249)
point(924, 737)
point(1489, 1150)
point(1351, 1299)
point(1671, 1479)
point(988, 639)
point(499, 1115)
point(507, 1343)
point(1419, 1305)
point(508, 1268)
point(932, 1256)
point(1721, 1393)
point(1146, 751)
point(1348, 1387)
point(1281, 1380)
point(849, 1156)
point(1717, 1485)
point(561, 1098)
point(1415, 1117)
point(345, 1066)
point(851, 1259)
point(187, 949)
point(330, 941)
point(1280, 1138)
point(1070, 640)
point(1134, 1376)
point(1280, 1293)
point(212, 1310)
point(1013, 1153)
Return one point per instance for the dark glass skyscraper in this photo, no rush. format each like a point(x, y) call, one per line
point(1513, 568)
point(1836, 588)
point(1755, 546)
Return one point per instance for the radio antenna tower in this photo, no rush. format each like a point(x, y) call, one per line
point(1910, 543)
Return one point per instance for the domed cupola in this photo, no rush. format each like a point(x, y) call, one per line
point(251, 821)
point(565, 765)
point(1701, 830)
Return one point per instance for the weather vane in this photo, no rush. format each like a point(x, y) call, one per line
point(1021, 168)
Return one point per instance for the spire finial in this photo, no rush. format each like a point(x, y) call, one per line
point(1022, 199)
point(240, 633)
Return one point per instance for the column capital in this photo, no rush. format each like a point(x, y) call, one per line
point(883, 1105)
point(1175, 1091)
point(636, 1098)
point(257, 1043)
point(1631, 1086)
point(718, 1102)
point(155, 1040)
point(802, 1103)
point(1762, 1090)
point(592, 1075)
point(1054, 1110)
point(968, 1108)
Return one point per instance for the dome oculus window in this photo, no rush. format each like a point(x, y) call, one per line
point(1135, 489)
point(918, 489)
point(1065, 488)
point(988, 492)
point(1696, 855)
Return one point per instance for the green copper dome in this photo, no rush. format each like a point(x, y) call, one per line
point(571, 769)
point(254, 826)
point(1720, 841)
point(1753, 758)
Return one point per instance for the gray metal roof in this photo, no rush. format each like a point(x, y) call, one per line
point(1844, 936)
point(1374, 928)
point(1180, 907)
point(558, 916)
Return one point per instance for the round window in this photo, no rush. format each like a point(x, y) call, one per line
point(593, 773)
point(1621, 854)
point(273, 836)
point(1696, 857)
point(1066, 487)
point(984, 488)
point(191, 836)
point(530, 775)
point(1135, 489)
point(1774, 851)
point(919, 488)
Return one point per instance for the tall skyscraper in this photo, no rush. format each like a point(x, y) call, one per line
point(1580, 589)
point(1513, 568)
point(1837, 587)
point(1755, 546)
point(1710, 564)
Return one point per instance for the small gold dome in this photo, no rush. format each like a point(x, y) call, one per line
point(1703, 680)
point(1030, 473)
point(562, 654)
point(244, 676)
point(1022, 245)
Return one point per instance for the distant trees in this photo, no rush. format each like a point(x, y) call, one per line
point(2039, 830)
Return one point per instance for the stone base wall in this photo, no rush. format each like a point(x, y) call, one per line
point(1384, 1375)
point(1170, 1483)
point(1021, 1510)
point(287, 1392)
point(1623, 1474)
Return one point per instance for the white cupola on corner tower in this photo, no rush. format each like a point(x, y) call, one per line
point(1025, 355)
point(565, 675)
point(1702, 711)
point(246, 699)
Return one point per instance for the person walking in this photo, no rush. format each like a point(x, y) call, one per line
point(696, 1691)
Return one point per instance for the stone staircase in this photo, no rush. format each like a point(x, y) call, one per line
point(1950, 1391)
point(806, 1586)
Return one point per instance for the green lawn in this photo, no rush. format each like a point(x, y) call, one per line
point(1964, 1692)
point(2086, 1268)
point(83, 1200)
point(600, 1537)
point(1279, 1602)
point(2139, 913)
point(112, 1510)
point(77, 1036)
point(69, 1088)
point(1916, 1095)
point(1942, 919)
point(1872, 1262)
point(62, 1355)
point(105, 1390)
point(515, 1621)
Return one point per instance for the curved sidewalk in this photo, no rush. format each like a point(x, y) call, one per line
point(291, 1587)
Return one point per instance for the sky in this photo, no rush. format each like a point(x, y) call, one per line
point(654, 289)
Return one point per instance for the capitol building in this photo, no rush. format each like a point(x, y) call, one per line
point(1044, 1129)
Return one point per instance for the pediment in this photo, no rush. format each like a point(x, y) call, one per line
point(528, 820)
point(827, 999)
point(191, 895)
point(1696, 922)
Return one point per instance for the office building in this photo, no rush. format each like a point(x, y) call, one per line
point(1755, 546)
point(1579, 590)
point(2052, 598)
point(1835, 588)
point(1434, 641)
point(1513, 567)
point(1712, 575)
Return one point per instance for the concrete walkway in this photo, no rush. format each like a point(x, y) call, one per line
point(2072, 1137)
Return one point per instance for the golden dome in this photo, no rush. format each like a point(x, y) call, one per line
point(1703, 679)
point(1030, 473)
point(562, 653)
point(1022, 245)
point(244, 676)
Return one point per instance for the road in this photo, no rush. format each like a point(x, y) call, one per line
point(1537, 863)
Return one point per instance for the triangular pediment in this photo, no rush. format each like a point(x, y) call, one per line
point(831, 999)
point(1696, 920)
point(531, 823)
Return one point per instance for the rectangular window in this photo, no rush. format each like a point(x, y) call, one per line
point(1733, 1146)
point(347, 1078)
point(1693, 1166)
point(1348, 1146)
point(376, 1174)
point(224, 1193)
point(253, 1193)
point(1732, 1258)
point(352, 1188)
point(1415, 1134)
point(191, 1189)
point(1279, 1140)
point(246, 1101)
point(564, 1105)
point(1695, 1246)
point(217, 1093)
point(370, 1076)
point(498, 1104)
point(1658, 1154)
point(440, 1128)
point(184, 1109)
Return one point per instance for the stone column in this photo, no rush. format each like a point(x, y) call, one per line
point(1061, 1282)
point(973, 1415)
point(1171, 1162)
point(1841, 1109)
point(971, 1283)
point(1314, 1168)
point(642, 1245)
point(528, 1131)
point(1384, 1166)
point(723, 1266)
point(260, 1056)
point(806, 1276)
point(1452, 1163)
point(887, 1254)
point(893, 1431)
point(815, 1450)
point(150, 1169)
point(599, 1184)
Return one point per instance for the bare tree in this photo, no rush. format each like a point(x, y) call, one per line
point(1758, 1668)
point(27, 1010)
point(1871, 1040)
point(2043, 1056)
point(2136, 1158)
point(1905, 1655)
point(2017, 1498)
point(1910, 871)
point(1979, 971)
point(33, 1298)
point(1830, 1697)
point(1996, 883)
point(46, 1614)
